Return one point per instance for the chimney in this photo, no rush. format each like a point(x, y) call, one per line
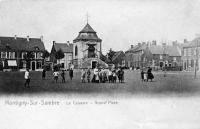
point(15, 37)
point(54, 42)
point(175, 43)
point(28, 38)
point(185, 41)
point(131, 46)
point(68, 43)
point(154, 42)
point(41, 38)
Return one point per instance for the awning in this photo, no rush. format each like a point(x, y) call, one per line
point(12, 63)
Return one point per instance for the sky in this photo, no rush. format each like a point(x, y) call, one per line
point(119, 23)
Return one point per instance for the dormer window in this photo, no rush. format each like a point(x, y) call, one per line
point(37, 48)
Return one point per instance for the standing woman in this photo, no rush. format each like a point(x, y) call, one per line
point(88, 75)
point(149, 74)
point(43, 73)
point(71, 73)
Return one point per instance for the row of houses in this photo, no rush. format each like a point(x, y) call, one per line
point(85, 51)
point(177, 56)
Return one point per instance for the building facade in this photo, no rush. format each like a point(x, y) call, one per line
point(14, 51)
point(191, 55)
point(67, 49)
point(153, 55)
point(86, 48)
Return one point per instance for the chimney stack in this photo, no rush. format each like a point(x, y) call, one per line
point(41, 38)
point(15, 37)
point(28, 38)
point(131, 46)
point(154, 42)
point(68, 43)
point(185, 41)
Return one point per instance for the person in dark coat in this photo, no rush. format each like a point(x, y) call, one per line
point(43, 74)
point(149, 74)
point(142, 75)
point(71, 73)
point(63, 76)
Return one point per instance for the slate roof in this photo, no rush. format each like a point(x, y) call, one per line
point(66, 48)
point(21, 44)
point(193, 43)
point(117, 54)
point(87, 34)
point(87, 29)
point(173, 51)
point(158, 49)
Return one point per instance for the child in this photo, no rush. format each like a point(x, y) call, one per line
point(55, 74)
point(88, 75)
point(142, 75)
point(109, 75)
point(63, 76)
point(114, 76)
point(145, 76)
point(83, 73)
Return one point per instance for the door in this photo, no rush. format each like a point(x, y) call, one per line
point(33, 65)
point(94, 63)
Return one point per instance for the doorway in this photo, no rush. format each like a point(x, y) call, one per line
point(33, 65)
point(94, 64)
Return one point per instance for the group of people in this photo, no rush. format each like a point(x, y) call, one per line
point(147, 75)
point(102, 75)
point(62, 74)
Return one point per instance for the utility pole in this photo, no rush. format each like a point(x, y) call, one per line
point(196, 63)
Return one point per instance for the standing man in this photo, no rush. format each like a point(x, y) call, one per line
point(43, 73)
point(27, 78)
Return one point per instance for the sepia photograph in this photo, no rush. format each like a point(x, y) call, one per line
point(111, 64)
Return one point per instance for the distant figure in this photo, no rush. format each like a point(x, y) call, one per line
point(114, 76)
point(145, 76)
point(55, 74)
point(142, 75)
point(149, 74)
point(43, 73)
point(83, 74)
point(71, 73)
point(27, 78)
point(109, 75)
point(96, 75)
point(63, 76)
point(88, 75)
point(120, 74)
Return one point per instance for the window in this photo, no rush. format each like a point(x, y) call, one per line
point(39, 65)
point(185, 52)
point(23, 54)
point(161, 57)
point(70, 57)
point(24, 64)
point(174, 58)
point(189, 52)
point(76, 50)
point(11, 55)
point(3, 54)
point(39, 55)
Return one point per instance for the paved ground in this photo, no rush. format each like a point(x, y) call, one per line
point(176, 83)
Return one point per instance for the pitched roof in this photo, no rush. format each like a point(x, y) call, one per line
point(87, 29)
point(173, 51)
point(195, 42)
point(117, 54)
point(156, 49)
point(21, 44)
point(66, 48)
point(87, 33)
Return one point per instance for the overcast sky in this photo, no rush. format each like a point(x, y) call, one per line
point(119, 23)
